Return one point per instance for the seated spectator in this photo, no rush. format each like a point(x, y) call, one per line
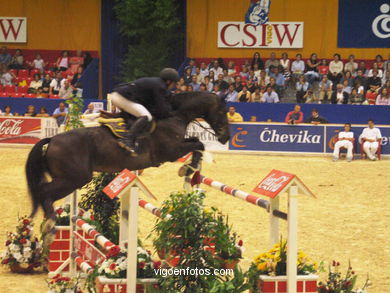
point(244, 95)
point(223, 85)
point(91, 109)
point(336, 68)
point(311, 73)
point(190, 88)
point(387, 62)
point(244, 73)
point(77, 76)
point(346, 87)
point(35, 84)
point(216, 90)
point(362, 67)
point(238, 84)
point(383, 98)
point(76, 62)
point(295, 116)
point(40, 94)
point(285, 62)
point(345, 140)
point(311, 98)
point(297, 67)
point(359, 78)
point(339, 96)
point(231, 69)
point(251, 86)
point(370, 138)
point(264, 78)
point(187, 75)
point(271, 62)
point(17, 61)
point(315, 118)
point(252, 76)
point(5, 57)
point(257, 60)
point(202, 87)
point(355, 98)
point(270, 96)
point(301, 87)
point(216, 69)
point(7, 111)
point(7, 76)
point(231, 94)
point(373, 85)
point(233, 116)
point(351, 65)
point(323, 69)
point(347, 77)
point(208, 83)
point(257, 95)
point(378, 70)
point(87, 58)
point(379, 61)
point(191, 64)
point(203, 69)
point(46, 84)
point(60, 113)
point(386, 76)
point(30, 111)
point(43, 112)
point(279, 78)
point(325, 89)
point(66, 91)
point(63, 61)
point(55, 84)
point(257, 71)
point(38, 63)
point(194, 83)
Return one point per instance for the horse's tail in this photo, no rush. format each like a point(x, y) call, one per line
point(35, 168)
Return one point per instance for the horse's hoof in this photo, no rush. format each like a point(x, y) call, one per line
point(48, 226)
point(183, 170)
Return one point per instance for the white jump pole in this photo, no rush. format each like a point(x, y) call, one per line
point(273, 222)
point(132, 241)
point(73, 213)
point(292, 248)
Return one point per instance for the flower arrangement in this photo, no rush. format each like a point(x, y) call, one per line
point(336, 283)
point(59, 284)
point(63, 215)
point(23, 251)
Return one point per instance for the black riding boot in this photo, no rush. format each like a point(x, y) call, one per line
point(139, 126)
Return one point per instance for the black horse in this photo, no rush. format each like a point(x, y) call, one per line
point(71, 157)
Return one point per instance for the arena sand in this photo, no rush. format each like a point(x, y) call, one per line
point(349, 220)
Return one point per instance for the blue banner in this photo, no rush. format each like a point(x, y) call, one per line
point(295, 138)
point(364, 24)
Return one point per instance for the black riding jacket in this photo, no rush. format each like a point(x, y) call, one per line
point(151, 92)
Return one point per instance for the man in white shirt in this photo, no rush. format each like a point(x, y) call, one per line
point(270, 96)
point(217, 70)
point(345, 140)
point(370, 136)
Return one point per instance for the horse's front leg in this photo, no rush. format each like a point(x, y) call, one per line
point(193, 145)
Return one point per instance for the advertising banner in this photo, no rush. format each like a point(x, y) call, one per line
point(364, 24)
point(13, 29)
point(269, 35)
point(205, 133)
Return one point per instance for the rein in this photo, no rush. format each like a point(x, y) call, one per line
point(204, 127)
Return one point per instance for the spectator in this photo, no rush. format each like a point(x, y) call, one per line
point(336, 67)
point(323, 69)
point(250, 85)
point(66, 91)
point(264, 78)
point(295, 116)
point(315, 118)
point(347, 77)
point(55, 84)
point(360, 78)
point(191, 65)
point(373, 85)
point(253, 77)
point(35, 84)
point(7, 111)
point(346, 87)
point(38, 63)
point(325, 89)
point(231, 94)
point(194, 83)
point(301, 86)
point(233, 116)
point(76, 62)
point(40, 94)
point(345, 140)
point(199, 76)
point(383, 98)
point(87, 58)
point(30, 111)
point(311, 98)
point(63, 61)
point(351, 65)
point(190, 88)
point(202, 87)
point(257, 60)
point(375, 67)
point(285, 62)
point(256, 70)
point(244, 95)
point(203, 69)
point(77, 76)
point(238, 84)
point(370, 138)
point(6, 76)
point(387, 62)
point(60, 113)
point(312, 64)
point(270, 96)
point(208, 83)
point(231, 69)
point(256, 95)
point(379, 61)
point(221, 63)
point(216, 69)
point(46, 84)
point(355, 98)
point(297, 67)
point(362, 67)
point(5, 57)
point(91, 109)
point(43, 112)
point(223, 85)
point(216, 90)
point(17, 61)
point(339, 96)
point(187, 75)
point(244, 73)
point(271, 62)
point(386, 75)
point(279, 78)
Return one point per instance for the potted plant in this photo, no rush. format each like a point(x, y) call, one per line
point(61, 284)
point(267, 272)
point(230, 284)
point(23, 251)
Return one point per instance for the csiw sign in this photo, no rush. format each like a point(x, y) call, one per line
point(13, 29)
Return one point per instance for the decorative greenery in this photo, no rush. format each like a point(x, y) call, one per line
point(336, 283)
point(105, 209)
point(76, 105)
point(60, 284)
point(236, 284)
point(153, 29)
point(22, 248)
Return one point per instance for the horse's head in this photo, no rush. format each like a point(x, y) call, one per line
point(217, 119)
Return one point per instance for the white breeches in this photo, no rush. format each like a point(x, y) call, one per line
point(343, 144)
point(130, 107)
point(370, 148)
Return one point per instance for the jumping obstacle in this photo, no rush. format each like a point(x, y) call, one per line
point(273, 185)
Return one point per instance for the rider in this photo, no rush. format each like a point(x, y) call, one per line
point(144, 98)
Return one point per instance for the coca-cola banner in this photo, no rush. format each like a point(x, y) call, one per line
point(26, 130)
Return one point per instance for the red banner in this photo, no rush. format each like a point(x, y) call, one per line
point(115, 187)
point(274, 183)
point(20, 130)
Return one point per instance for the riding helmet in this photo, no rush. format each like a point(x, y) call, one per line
point(169, 74)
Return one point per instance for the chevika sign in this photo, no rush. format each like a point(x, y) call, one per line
point(269, 35)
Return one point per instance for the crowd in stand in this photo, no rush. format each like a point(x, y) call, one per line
point(314, 80)
point(40, 79)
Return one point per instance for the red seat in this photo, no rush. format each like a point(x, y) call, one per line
point(51, 73)
point(14, 71)
point(15, 95)
point(378, 152)
point(64, 74)
point(3, 95)
point(54, 97)
point(33, 72)
point(23, 73)
point(1, 88)
point(9, 89)
point(30, 95)
point(22, 89)
point(28, 80)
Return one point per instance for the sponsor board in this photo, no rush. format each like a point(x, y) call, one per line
point(205, 133)
point(13, 29)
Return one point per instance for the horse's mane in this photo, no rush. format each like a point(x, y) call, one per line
point(186, 99)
